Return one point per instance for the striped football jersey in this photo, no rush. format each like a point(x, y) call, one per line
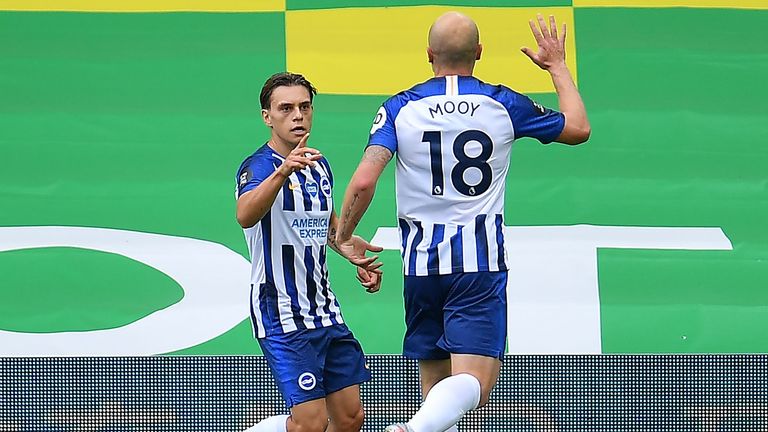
point(452, 137)
point(290, 289)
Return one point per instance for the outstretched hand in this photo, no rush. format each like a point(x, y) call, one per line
point(354, 250)
point(551, 45)
point(300, 157)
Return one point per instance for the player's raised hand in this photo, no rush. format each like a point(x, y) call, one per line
point(300, 157)
point(303, 141)
point(370, 280)
point(551, 45)
point(354, 250)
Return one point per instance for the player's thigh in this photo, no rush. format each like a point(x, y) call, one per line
point(475, 314)
point(345, 369)
point(345, 410)
point(424, 301)
point(345, 363)
point(297, 361)
point(485, 369)
point(431, 372)
point(310, 416)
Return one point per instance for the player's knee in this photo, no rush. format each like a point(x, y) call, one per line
point(358, 419)
point(352, 422)
point(486, 387)
point(308, 424)
point(485, 396)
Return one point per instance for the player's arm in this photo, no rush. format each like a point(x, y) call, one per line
point(361, 189)
point(368, 272)
point(255, 203)
point(333, 225)
point(354, 248)
point(551, 58)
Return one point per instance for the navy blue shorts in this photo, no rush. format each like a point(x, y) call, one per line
point(462, 313)
point(311, 364)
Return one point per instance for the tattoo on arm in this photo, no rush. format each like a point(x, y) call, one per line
point(377, 154)
point(332, 239)
point(352, 218)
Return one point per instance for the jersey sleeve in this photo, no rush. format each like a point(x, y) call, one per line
point(531, 119)
point(252, 172)
point(327, 167)
point(383, 129)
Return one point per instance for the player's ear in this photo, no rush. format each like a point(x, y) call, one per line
point(430, 55)
point(479, 51)
point(265, 117)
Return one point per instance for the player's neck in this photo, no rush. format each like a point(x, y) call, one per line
point(442, 71)
point(281, 147)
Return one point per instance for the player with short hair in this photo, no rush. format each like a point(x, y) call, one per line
point(285, 206)
point(453, 136)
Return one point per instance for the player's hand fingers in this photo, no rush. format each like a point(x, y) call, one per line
point(363, 275)
point(363, 261)
point(529, 52)
point(562, 41)
point(376, 277)
point(294, 165)
point(536, 33)
point(361, 279)
point(297, 165)
point(367, 263)
point(543, 26)
point(373, 248)
point(533, 56)
point(369, 280)
point(307, 155)
point(376, 283)
point(304, 151)
point(374, 287)
point(303, 141)
point(552, 26)
point(303, 162)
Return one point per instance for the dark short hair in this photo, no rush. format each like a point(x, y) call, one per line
point(284, 79)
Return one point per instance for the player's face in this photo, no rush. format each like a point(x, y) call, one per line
point(289, 114)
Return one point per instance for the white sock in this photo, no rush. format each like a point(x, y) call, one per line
point(270, 424)
point(453, 428)
point(446, 404)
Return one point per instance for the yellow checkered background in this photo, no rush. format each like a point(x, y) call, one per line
point(382, 50)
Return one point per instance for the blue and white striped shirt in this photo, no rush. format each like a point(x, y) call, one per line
point(290, 289)
point(452, 137)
